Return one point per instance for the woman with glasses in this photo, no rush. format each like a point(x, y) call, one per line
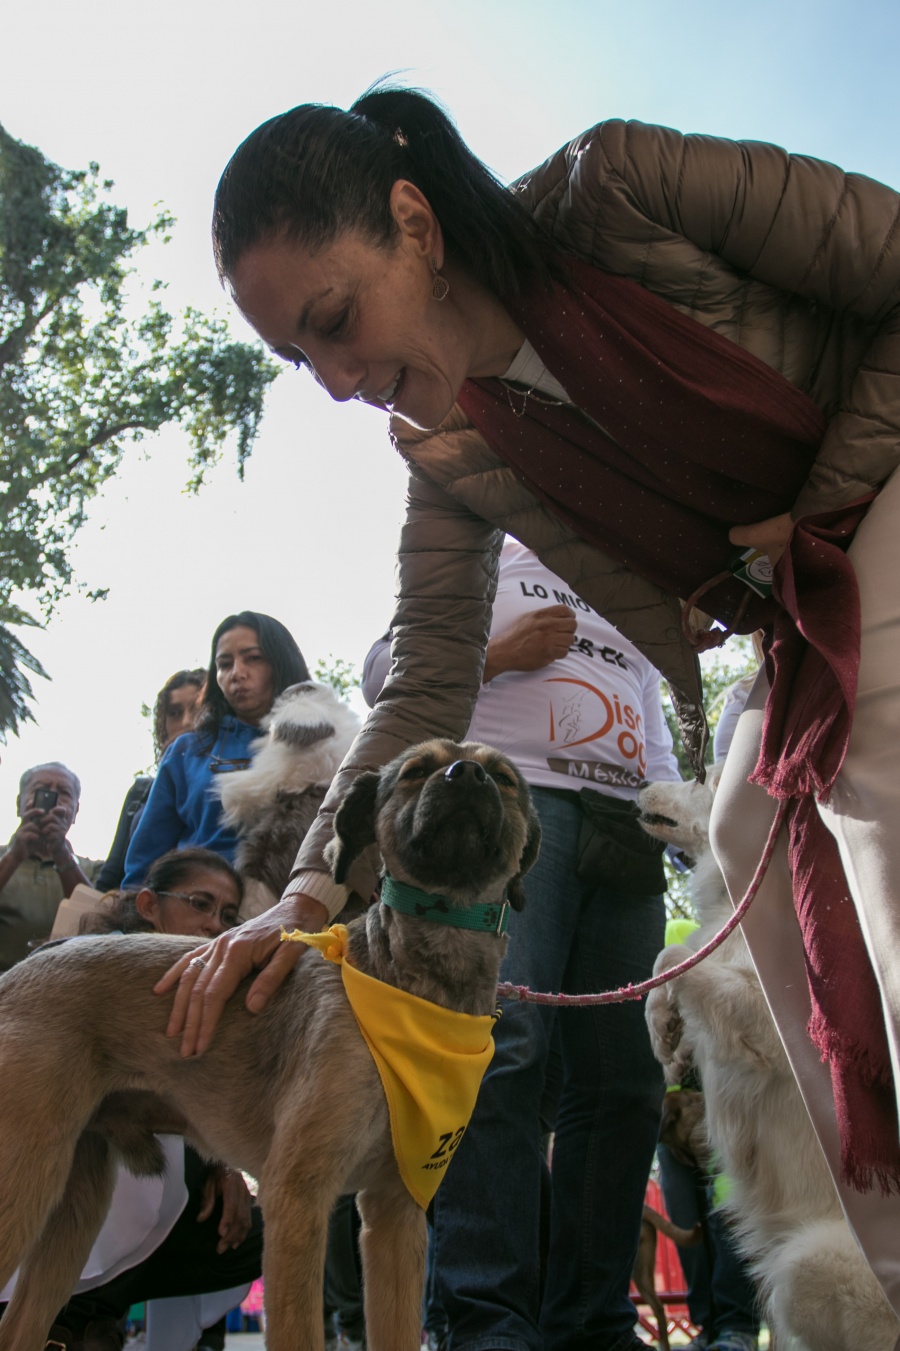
point(253, 660)
point(193, 892)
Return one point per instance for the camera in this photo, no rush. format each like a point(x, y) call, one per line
point(45, 799)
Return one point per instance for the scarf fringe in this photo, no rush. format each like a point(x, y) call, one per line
point(834, 1046)
point(865, 1178)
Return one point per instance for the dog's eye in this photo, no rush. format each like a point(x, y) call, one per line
point(413, 772)
point(500, 777)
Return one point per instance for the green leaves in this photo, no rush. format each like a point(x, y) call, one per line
point(15, 687)
point(89, 365)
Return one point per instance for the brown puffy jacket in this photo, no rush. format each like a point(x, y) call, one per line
point(789, 257)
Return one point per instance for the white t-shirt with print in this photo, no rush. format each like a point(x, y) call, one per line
point(594, 718)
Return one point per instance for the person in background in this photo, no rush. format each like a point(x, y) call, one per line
point(173, 713)
point(254, 659)
point(38, 868)
point(579, 710)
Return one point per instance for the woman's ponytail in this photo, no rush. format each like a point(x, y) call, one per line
point(316, 171)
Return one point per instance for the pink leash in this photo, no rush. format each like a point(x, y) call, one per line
point(506, 990)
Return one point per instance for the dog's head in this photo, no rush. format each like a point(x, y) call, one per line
point(456, 819)
point(683, 1128)
point(678, 813)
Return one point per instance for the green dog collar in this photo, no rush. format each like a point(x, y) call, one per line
point(491, 918)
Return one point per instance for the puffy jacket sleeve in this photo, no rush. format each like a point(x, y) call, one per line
point(447, 577)
point(798, 225)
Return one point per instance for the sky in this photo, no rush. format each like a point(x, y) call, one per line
point(160, 96)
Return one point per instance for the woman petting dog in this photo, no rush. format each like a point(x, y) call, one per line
point(655, 350)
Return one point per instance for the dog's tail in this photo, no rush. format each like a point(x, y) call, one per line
point(684, 1238)
point(818, 1287)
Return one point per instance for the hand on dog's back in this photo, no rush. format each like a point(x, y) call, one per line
point(202, 993)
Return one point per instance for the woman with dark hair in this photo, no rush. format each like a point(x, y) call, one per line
point(253, 660)
point(177, 897)
point(173, 713)
point(176, 703)
point(654, 349)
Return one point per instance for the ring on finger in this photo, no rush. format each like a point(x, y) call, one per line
point(197, 963)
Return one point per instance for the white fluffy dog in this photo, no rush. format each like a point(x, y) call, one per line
point(818, 1292)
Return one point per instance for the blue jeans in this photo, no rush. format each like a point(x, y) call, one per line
point(576, 938)
point(721, 1292)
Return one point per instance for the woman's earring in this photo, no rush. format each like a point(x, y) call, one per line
point(440, 287)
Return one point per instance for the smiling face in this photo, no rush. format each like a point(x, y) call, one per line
point(363, 318)
point(244, 674)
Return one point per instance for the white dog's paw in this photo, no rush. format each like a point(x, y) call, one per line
point(664, 1019)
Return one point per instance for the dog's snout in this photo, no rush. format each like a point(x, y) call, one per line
point(466, 770)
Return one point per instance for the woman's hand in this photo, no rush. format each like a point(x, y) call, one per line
point(205, 987)
point(237, 1203)
point(769, 537)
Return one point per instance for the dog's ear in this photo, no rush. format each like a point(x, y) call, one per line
point(354, 825)
point(515, 892)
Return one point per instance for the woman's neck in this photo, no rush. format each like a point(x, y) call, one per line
point(494, 336)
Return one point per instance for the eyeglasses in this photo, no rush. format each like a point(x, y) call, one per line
point(228, 916)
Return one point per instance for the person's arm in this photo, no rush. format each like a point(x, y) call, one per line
point(54, 827)
point(159, 829)
point(447, 569)
point(447, 565)
point(24, 842)
point(662, 763)
point(113, 870)
point(237, 1205)
point(376, 669)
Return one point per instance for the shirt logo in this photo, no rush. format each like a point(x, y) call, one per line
point(584, 714)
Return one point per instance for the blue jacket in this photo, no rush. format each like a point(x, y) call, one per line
point(182, 809)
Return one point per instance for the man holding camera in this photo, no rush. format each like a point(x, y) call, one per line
point(38, 867)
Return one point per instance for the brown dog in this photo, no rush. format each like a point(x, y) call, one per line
point(644, 1274)
point(683, 1128)
point(292, 1095)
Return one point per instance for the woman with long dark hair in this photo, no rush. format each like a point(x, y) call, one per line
point(253, 660)
point(656, 352)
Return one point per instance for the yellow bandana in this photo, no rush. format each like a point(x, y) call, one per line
point(430, 1059)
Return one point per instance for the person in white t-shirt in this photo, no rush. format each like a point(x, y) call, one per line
point(578, 709)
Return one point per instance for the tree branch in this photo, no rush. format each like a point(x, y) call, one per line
point(100, 438)
point(12, 345)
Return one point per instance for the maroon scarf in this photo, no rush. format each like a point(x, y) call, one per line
point(690, 434)
point(685, 435)
point(812, 663)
